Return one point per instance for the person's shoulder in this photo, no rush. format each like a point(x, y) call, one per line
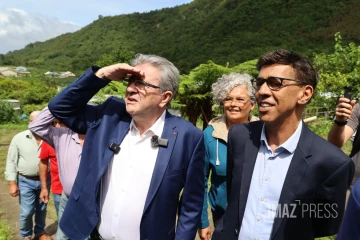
point(208, 130)
point(355, 190)
point(327, 151)
point(22, 134)
point(114, 105)
point(185, 125)
point(249, 126)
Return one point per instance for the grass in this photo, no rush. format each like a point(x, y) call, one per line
point(5, 231)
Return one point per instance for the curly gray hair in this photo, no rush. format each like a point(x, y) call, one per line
point(221, 88)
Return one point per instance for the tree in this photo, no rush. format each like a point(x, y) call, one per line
point(194, 98)
point(120, 55)
point(7, 113)
point(337, 70)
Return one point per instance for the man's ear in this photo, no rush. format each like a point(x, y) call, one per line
point(306, 95)
point(166, 97)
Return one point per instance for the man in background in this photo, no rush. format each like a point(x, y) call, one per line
point(48, 155)
point(68, 148)
point(22, 174)
point(346, 123)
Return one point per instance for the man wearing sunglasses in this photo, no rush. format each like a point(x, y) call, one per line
point(284, 182)
point(137, 157)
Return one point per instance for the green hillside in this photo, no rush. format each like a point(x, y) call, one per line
point(224, 31)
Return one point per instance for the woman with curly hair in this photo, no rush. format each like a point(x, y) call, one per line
point(234, 93)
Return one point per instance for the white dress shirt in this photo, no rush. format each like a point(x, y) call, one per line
point(126, 182)
point(266, 184)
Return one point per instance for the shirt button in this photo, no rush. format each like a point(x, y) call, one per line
point(262, 198)
point(116, 214)
point(123, 190)
point(113, 236)
point(256, 238)
point(259, 219)
point(266, 178)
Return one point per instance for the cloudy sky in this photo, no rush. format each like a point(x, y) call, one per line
point(26, 21)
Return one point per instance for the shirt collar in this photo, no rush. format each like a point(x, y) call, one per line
point(155, 129)
point(290, 144)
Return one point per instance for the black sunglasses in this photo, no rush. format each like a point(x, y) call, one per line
point(274, 83)
point(139, 83)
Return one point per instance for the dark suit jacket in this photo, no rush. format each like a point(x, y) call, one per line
point(319, 174)
point(350, 229)
point(179, 165)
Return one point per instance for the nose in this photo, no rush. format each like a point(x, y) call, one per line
point(264, 89)
point(233, 102)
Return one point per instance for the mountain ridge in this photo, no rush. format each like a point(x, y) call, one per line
point(224, 31)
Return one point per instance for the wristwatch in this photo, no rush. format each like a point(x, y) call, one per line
point(340, 124)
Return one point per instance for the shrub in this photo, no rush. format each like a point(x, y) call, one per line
point(7, 113)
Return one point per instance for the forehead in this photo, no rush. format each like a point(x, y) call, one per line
point(277, 70)
point(151, 72)
point(239, 91)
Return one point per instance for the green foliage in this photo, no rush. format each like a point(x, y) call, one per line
point(194, 96)
point(38, 93)
point(32, 92)
point(228, 31)
point(7, 113)
point(114, 88)
point(117, 56)
point(321, 127)
point(5, 231)
point(336, 70)
point(28, 108)
point(247, 67)
point(12, 89)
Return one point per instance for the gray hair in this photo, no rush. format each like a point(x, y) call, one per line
point(169, 77)
point(227, 82)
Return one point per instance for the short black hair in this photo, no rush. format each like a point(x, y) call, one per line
point(304, 70)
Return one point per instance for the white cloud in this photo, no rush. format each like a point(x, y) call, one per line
point(19, 28)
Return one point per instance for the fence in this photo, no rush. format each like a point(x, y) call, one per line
point(319, 112)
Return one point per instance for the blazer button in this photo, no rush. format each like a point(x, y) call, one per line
point(236, 232)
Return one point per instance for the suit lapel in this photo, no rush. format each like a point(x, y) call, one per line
point(251, 150)
point(116, 137)
point(163, 158)
point(297, 169)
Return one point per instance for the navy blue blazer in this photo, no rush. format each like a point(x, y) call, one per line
point(178, 166)
point(350, 229)
point(319, 175)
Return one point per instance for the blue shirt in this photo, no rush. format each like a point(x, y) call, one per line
point(266, 184)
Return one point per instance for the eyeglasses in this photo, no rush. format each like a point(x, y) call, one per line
point(139, 84)
point(238, 101)
point(274, 83)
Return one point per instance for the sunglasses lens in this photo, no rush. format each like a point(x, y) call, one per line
point(274, 83)
point(258, 82)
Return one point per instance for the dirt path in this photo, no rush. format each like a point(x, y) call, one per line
point(10, 212)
